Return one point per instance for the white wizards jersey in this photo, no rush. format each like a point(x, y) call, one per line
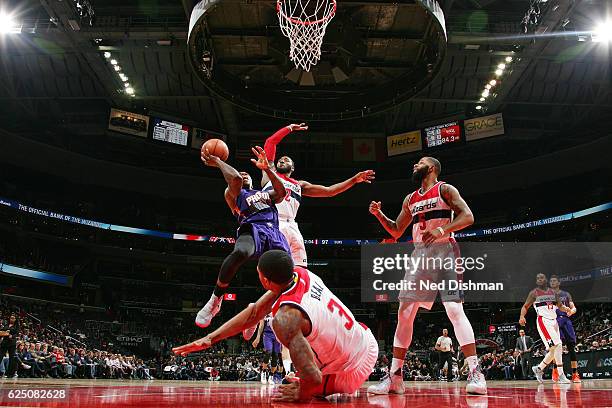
point(545, 303)
point(429, 211)
point(337, 339)
point(288, 208)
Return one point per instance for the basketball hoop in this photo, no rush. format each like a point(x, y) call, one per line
point(304, 23)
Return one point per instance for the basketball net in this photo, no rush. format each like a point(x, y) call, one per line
point(304, 23)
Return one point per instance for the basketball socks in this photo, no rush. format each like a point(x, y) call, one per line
point(396, 366)
point(219, 291)
point(472, 362)
point(560, 371)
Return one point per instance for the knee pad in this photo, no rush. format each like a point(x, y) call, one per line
point(461, 324)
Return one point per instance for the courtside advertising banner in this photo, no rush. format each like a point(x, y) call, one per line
point(484, 126)
point(404, 143)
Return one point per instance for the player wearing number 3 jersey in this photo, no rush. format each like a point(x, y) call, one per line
point(333, 353)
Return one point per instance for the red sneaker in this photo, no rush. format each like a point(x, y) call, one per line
point(555, 375)
point(576, 378)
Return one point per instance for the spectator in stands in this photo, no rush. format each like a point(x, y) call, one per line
point(9, 334)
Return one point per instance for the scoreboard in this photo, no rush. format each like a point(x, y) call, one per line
point(444, 134)
point(170, 132)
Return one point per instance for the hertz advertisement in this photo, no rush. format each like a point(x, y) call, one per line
point(404, 143)
point(484, 126)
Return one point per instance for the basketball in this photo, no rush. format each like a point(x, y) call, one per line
point(216, 147)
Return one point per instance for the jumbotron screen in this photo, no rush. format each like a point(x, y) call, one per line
point(442, 134)
point(170, 132)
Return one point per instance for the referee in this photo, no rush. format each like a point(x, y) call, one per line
point(444, 345)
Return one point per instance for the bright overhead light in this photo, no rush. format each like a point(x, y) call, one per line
point(499, 72)
point(129, 90)
point(603, 32)
point(485, 93)
point(478, 107)
point(107, 55)
point(482, 99)
point(113, 61)
point(492, 82)
point(8, 25)
point(508, 59)
point(123, 78)
point(502, 66)
point(488, 86)
point(117, 67)
point(127, 85)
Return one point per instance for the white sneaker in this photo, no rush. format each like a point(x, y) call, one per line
point(476, 382)
point(389, 384)
point(538, 373)
point(16, 375)
point(271, 379)
point(248, 333)
point(25, 366)
point(263, 378)
point(563, 380)
point(210, 310)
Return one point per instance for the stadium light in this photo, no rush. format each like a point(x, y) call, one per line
point(127, 85)
point(482, 99)
point(129, 90)
point(501, 66)
point(478, 107)
point(508, 59)
point(603, 32)
point(492, 82)
point(117, 67)
point(8, 24)
point(113, 61)
point(488, 86)
point(498, 72)
point(107, 55)
point(485, 93)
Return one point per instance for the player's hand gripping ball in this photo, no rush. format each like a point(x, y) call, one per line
point(216, 147)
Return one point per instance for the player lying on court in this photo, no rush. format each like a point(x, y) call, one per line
point(288, 208)
point(332, 352)
point(258, 223)
point(546, 302)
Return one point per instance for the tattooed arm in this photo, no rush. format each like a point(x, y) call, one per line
point(463, 214)
point(395, 228)
point(290, 325)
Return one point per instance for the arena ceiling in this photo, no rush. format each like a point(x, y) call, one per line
point(55, 69)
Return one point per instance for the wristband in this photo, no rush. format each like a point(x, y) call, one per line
point(441, 230)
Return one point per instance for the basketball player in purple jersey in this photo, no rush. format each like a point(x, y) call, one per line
point(566, 328)
point(271, 346)
point(258, 223)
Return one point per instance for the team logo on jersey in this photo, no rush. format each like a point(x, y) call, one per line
point(257, 197)
point(425, 205)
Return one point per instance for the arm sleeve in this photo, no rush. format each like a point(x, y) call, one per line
point(272, 141)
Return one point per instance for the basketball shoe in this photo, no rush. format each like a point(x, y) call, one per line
point(555, 375)
point(538, 373)
point(476, 382)
point(389, 384)
point(210, 310)
point(576, 378)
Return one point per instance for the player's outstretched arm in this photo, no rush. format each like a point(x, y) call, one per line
point(260, 329)
point(394, 228)
point(278, 193)
point(243, 320)
point(230, 174)
point(528, 302)
point(289, 325)
point(317, 190)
